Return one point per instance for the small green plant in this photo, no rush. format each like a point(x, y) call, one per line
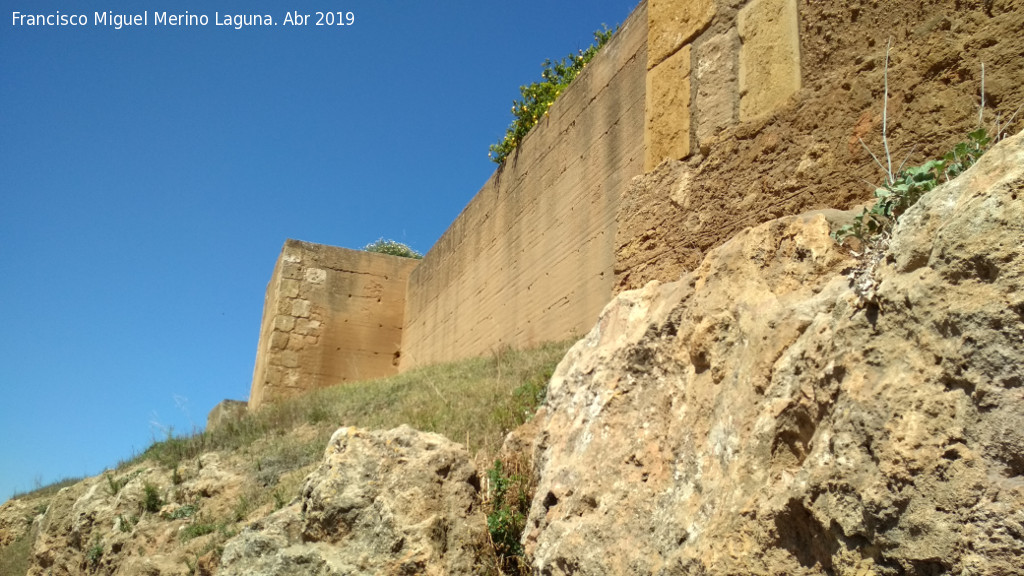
point(903, 187)
point(510, 495)
point(176, 477)
point(243, 507)
point(280, 499)
point(538, 97)
point(894, 197)
point(197, 529)
point(94, 554)
point(114, 485)
point(392, 247)
point(151, 502)
point(126, 524)
point(186, 511)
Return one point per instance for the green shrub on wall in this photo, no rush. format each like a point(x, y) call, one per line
point(539, 96)
point(393, 248)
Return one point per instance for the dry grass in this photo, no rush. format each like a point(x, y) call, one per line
point(474, 402)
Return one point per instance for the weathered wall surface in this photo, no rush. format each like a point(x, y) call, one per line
point(331, 315)
point(755, 108)
point(531, 258)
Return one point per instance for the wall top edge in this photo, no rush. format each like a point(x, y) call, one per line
point(335, 256)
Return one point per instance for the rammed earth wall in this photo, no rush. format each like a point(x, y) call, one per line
point(531, 258)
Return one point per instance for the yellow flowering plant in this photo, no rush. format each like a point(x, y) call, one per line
point(539, 96)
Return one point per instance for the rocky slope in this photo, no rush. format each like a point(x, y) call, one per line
point(758, 417)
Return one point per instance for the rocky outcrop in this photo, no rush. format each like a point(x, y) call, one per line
point(141, 519)
point(15, 520)
point(395, 502)
point(759, 417)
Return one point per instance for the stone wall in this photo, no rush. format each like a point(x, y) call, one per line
point(331, 315)
point(755, 109)
point(531, 258)
point(699, 119)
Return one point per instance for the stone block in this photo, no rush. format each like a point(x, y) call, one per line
point(673, 23)
point(316, 275)
point(300, 308)
point(769, 63)
point(278, 341)
point(667, 129)
point(289, 288)
point(296, 342)
point(286, 358)
point(291, 270)
point(717, 84)
point(307, 327)
point(284, 323)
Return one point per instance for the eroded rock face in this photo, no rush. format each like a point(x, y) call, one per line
point(394, 502)
point(15, 520)
point(756, 417)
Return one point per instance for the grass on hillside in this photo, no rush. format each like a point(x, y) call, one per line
point(475, 402)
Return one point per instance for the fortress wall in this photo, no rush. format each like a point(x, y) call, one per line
point(531, 258)
point(331, 315)
point(700, 118)
point(756, 109)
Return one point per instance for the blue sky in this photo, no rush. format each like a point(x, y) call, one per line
point(150, 175)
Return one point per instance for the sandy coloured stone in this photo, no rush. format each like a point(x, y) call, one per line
point(284, 323)
point(305, 326)
point(316, 275)
point(296, 342)
point(667, 129)
point(717, 84)
point(291, 270)
point(769, 63)
point(300, 308)
point(286, 358)
point(291, 255)
point(289, 288)
point(673, 23)
point(278, 340)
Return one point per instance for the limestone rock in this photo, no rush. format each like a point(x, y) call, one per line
point(394, 502)
point(756, 417)
point(15, 520)
point(101, 524)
